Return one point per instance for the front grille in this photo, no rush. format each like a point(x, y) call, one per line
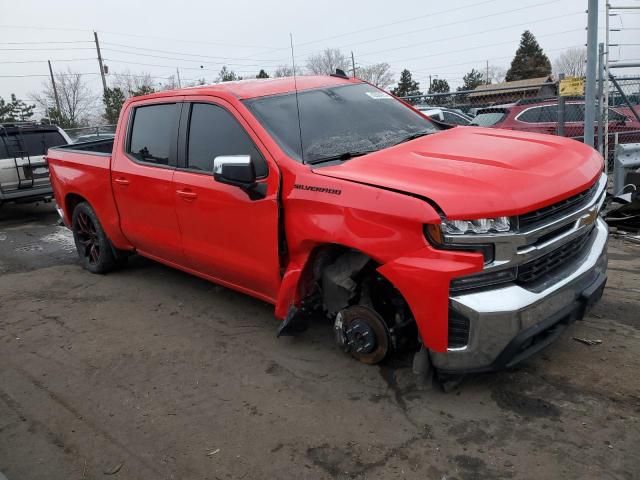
point(537, 216)
point(458, 330)
point(535, 269)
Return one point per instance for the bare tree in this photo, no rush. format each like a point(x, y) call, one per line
point(327, 62)
point(132, 84)
point(496, 74)
point(286, 71)
point(170, 83)
point(77, 102)
point(378, 74)
point(572, 62)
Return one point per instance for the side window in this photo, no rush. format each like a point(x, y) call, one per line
point(152, 133)
point(615, 116)
point(213, 132)
point(531, 115)
point(573, 112)
point(548, 114)
point(454, 119)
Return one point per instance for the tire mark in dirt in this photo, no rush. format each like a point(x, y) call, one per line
point(90, 424)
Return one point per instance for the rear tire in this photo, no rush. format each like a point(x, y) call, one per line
point(94, 248)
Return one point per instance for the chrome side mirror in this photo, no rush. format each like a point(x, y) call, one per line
point(237, 170)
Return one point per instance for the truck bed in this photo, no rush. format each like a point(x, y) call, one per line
point(102, 147)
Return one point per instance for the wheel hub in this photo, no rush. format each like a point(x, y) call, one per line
point(360, 337)
point(361, 332)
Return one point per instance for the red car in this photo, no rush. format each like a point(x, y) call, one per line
point(542, 117)
point(474, 247)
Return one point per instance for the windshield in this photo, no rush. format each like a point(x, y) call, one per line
point(339, 121)
point(486, 118)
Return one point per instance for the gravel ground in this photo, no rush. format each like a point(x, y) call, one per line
point(149, 373)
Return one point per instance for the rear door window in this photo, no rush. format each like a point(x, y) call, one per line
point(153, 132)
point(574, 112)
point(548, 114)
point(214, 132)
point(35, 143)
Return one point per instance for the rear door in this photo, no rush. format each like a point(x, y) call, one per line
point(226, 235)
point(142, 180)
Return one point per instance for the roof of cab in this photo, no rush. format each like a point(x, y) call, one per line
point(252, 88)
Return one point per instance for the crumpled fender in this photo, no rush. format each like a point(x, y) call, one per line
point(423, 280)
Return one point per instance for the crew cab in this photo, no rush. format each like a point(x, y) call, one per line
point(473, 247)
point(24, 175)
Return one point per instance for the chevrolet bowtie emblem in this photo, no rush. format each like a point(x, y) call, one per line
point(589, 217)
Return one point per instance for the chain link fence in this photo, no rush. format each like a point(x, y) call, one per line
point(535, 106)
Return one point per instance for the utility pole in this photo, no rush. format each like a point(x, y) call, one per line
point(605, 116)
point(486, 80)
point(55, 90)
point(592, 62)
point(353, 64)
point(179, 82)
point(601, 105)
point(104, 81)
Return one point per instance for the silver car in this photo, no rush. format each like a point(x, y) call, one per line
point(24, 174)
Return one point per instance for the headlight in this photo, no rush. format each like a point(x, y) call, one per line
point(482, 225)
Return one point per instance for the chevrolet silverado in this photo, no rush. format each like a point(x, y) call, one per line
point(473, 247)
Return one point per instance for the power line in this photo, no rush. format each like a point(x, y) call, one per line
point(483, 46)
point(180, 59)
point(45, 49)
point(172, 66)
point(45, 43)
point(54, 60)
point(433, 27)
point(188, 54)
point(440, 40)
point(383, 25)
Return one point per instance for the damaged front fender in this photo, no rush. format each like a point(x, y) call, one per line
point(423, 280)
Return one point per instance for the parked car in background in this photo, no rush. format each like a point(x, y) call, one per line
point(542, 117)
point(472, 247)
point(24, 174)
point(445, 115)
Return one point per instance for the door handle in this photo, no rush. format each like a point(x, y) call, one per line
point(121, 181)
point(187, 194)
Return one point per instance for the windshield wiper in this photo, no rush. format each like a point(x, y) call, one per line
point(413, 136)
point(342, 156)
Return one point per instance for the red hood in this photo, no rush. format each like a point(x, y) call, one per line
point(473, 172)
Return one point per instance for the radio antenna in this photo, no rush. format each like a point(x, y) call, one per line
point(295, 86)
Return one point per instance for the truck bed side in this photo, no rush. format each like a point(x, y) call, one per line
point(82, 172)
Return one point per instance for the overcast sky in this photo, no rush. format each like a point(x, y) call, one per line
point(443, 39)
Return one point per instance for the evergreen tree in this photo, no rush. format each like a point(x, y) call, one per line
point(262, 74)
point(472, 80)
point(15, 111)
point(407, 86)
point(227, 75)
point(530, 61)
point(113, 99)
point(439, 86)
point(143, 90)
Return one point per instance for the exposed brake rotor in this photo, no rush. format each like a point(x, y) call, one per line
point(361, 332)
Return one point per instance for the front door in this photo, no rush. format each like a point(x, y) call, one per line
point(226, 235)
point(142, 181)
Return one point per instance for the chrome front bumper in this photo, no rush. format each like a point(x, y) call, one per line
point(504, 321)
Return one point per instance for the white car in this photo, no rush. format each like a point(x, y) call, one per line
point(24, 174)
point(445, 115)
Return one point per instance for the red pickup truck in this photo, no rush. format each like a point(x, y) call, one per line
point(474, 247)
